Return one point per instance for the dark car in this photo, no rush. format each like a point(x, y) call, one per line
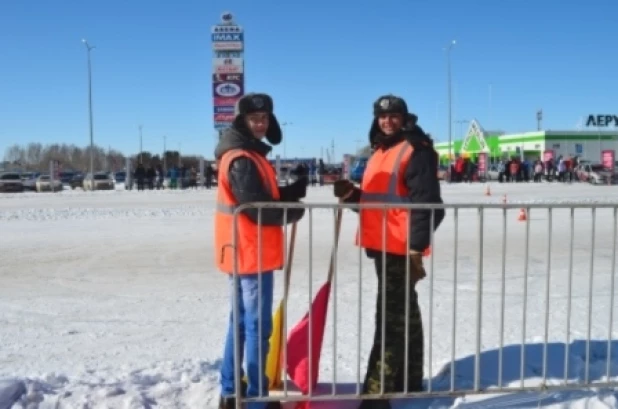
point(11, 182)
point(77, 181)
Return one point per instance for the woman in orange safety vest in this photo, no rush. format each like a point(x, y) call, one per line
point(402, 169)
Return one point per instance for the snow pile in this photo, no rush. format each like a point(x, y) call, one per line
point(167, 385)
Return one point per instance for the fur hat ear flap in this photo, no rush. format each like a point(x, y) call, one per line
point(274, 135)
point(373, 132)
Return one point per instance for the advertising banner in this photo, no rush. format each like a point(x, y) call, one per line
point(232, 46)
point(482, 163)
point(224, 109)
point(221, 101)
point(608, 159)
point(224, 118)
point(227, 89)
point(218, 78)
point(548, 155)
point(227, 65)
point(228, 54)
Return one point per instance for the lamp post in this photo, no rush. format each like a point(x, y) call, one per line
point(89, 48)
point(164, 155)
point(284, 124)
point(141, 140)
point(450, 106)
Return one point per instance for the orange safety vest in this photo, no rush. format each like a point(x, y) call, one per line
point(258, 248)
point(383, 183)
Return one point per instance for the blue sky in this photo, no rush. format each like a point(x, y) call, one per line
point(324, 62)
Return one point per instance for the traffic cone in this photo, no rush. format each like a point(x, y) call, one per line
point(487, 191)
point(522, 215)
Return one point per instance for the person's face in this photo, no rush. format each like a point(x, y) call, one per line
point(390, 123)
point(257, 122)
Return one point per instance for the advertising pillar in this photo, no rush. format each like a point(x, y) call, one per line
point(228, 66)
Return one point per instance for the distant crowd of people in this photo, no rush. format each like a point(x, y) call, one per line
point(180, 177)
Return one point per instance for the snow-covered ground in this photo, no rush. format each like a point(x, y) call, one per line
point(111, 299)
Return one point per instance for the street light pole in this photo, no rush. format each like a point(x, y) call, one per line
point(450, 108)
point(140, 144)
point(89, 48)
point(284, 124)
point(164, 155)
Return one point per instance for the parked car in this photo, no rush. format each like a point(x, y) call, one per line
point(120, 177)
point(45, 184)
point(29, 180)
point(100, 181)
point(11, 182)
point(77, 181)
point(595, 174)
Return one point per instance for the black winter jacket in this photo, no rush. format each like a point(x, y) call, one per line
point(245, 179)
point(422, 181)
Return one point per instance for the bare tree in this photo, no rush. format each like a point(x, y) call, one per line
point(14, 154)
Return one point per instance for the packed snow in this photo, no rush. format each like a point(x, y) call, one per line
point(111, 299)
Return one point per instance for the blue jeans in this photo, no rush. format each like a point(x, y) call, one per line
point(250, 300)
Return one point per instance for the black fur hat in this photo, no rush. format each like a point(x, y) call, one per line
point(383, 105)
point(258, 102)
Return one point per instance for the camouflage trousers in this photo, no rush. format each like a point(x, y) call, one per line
point(395, 336)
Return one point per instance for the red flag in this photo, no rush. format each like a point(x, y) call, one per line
point(298, 343)
point(303, 373)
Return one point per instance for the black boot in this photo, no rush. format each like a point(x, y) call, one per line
point(229, 402)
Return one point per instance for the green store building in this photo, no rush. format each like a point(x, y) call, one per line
point(531, 145)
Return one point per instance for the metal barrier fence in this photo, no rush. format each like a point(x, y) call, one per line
point(530, 327)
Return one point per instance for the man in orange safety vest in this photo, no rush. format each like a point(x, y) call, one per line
point(245, 176)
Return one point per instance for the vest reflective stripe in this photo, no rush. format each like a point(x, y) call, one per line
point(251, 256)
point(391, 196)
point(382, 183)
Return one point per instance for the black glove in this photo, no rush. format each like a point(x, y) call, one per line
point(295, 191)
point(342, 188)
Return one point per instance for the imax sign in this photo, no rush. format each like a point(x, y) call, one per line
point(227, 37)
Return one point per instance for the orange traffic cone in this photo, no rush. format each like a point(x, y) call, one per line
point(487, 191)
point(522, 215)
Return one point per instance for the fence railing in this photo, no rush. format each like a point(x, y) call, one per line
point(517, 297)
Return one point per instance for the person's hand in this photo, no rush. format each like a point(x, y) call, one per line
point(295, 191)
point(343, 189)
point(417, 271)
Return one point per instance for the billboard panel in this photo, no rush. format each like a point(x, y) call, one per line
point(227, 89)
point(224, 109)
point(227, 65)
point(224, 101)
point(218, 78)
